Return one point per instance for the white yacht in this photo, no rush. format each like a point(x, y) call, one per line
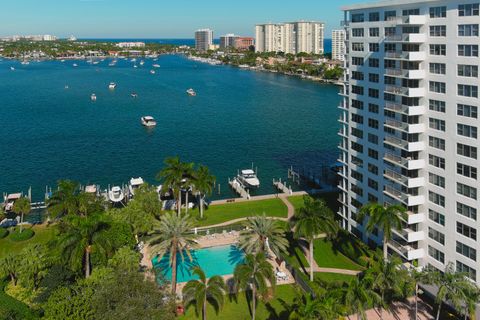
point(75, 65)
point(191, 92)
point(134, 184)
point(142, 62)
point(249, 178)
point(116, 194)
point(152, 71)
point(93, 97)
point(134, 94)
point(112, 85)
point(156, 65)
point(148, 121)
point(135, 66)
point(12, 68)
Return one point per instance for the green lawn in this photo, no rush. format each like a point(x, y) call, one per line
point(333, 277)
point(326, 256)
point(330, 198)
point(42, 235)
point(216, 214)
point(239, 309)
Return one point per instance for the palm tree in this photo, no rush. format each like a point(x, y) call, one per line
point(186, 182)
point(202, 292)
point(451, 287)
point(310, 221)
point(203, 183)
point(471, 299)
point(262, 233)
point(418, 277)
point(255, 274)
point(65, 199)
point(303, 307)
point(22, 206)
point(175, 238)
point(359, 297)
point(384, 218)
point(9, 266)
point(80, 236)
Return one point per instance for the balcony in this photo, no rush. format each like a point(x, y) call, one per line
point(404, 109)
point(404, 73)
point(409, 235)
point(407, 92)
point(403, 144)
point(405, 198)
point(406, 163)
point(413, 20)
point(343, 106)
point(343, 119)
point(407, 251)
point(406, 38)
point(405, 127)
point(407, 56)
point(342, 133)
point(414, 218)
point(408, 182)
point(341, 146)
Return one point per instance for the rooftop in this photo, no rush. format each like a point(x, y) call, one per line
point(380, 4)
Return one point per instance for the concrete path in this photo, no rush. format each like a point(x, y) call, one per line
point(264, 197)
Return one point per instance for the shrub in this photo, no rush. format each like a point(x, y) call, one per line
point(26, 234)
point(3, 233)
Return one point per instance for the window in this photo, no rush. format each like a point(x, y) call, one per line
point(357, 90)
point(436, 198)
point(437, 68)
point(373, 108)
point(436, 217)
point(358, 17)
point(357, 104)
point(465, 10)
point(388, 15)
point(466, 251)
point(357, 118)
point(467, 211)
point(373, 77)
point(373, 184)
point(436, 254)
point(357, 46)
point(373, 93)
point(467, 71)
point(357, 61)
point(466, 191)
point(438, 31)
point(357, 133)
point(373, 47)
point(356, 75)
point(438, 87)
point(373, 169)
point(374, 16)
point(438, 12)
point(438, 49)
point(357, 175)
point(467, 91)
point(436, 124)
point(466, 151)
point(389, 80)
point(372, 138)
point(373, 154)
point(468, 30)
point(372, 123)
point(373, 63)
point(374, 32)
point(436, 161)
point(436, 180)
point(468, 50)
point(437, 143)
point(390, 31)
point(467, 111)
point(357, 32)
point(436, 105)
point(467, 171)
point(470, 272)
point(466, 131)
point(411, 12)
point(356, 147)
point(436, 235)
point(467, 231)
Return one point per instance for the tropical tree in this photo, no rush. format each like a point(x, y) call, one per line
point(33, 266)
point(203, 185)
point(313, 219)
point(262, 233)
point(359, 297)
point(383, 218)
point(10, 266)
point(203, 291)
point(175, 238)
point(147, 199)
point(87, 203)
point(470, 301)
point(64, 201)
point(417, 277)
point(140, 221)
point(79, 237)
point(22, 206)
point(255, 274)
point(306, 307)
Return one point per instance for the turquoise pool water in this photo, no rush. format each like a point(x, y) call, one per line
point(219, 260)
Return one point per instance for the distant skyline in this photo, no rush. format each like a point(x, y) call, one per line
point(157, 18)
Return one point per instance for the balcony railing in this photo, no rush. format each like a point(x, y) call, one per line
point(398, 125)
point(396, 90)
point(396, 141)
point(395, 176)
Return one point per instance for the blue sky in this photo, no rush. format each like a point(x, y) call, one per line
point(158, 18)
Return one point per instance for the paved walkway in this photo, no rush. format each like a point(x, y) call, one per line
point(400, 311)
point(264, 197)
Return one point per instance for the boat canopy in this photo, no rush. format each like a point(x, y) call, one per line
point(148, 118)
point(14, 196)
point(91, 189)
point(248, 172)
point(136, 181)
point(116, 189)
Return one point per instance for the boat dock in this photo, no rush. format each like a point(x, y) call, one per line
point(281, 186)
point(239, 188)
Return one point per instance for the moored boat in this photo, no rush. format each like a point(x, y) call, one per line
point(134, 184)
point(116, 194)
point(249, 178)
point(191, 92)
point(112, 85)
point(148, 121)
point(93, 97)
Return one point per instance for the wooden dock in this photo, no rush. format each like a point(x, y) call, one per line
point(282, 187)
point(238, 187)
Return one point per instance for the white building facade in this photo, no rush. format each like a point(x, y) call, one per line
point(292, 37)
point(228, 41)
point(338, 45)
point(203, 39)
point(409, 127)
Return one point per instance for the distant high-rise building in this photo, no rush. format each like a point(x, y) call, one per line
point(203, 39)
point(338, 45)
point(227, 41)
point(292, 37)
point(244, 43)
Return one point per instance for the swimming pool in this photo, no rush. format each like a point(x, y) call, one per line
point(220, 260)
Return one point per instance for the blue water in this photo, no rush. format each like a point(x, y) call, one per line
point(238, 117)
point(214, 261)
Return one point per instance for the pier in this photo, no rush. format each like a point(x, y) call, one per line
point(282, 187)
point(238, 187)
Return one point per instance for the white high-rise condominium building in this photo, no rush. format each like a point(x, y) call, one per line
point(203, 39)
point(228, 41)
point(338, 45)
point(409, 126)
point(292, 37)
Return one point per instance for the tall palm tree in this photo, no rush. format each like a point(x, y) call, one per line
point(260, 232)
point(9, 267)
point(451, 287)
point(203, 291)
point(79, 237)
point(383, 218)
point(255, 274)
point(174, 238)
point(359, 297)
point(22, 206)
point(65, 199)
point(203, 184)
point(310, 221)
point(418, 277)
point(470, 301)
point(187, 181)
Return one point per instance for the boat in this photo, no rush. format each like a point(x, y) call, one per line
point(248, 177)
point(12, 68)
point(25, 62)
point(134, 94)
point(148, 121)
point(66, 87)
point(134, 184)
point(111, 64)
point(93, 97)
point(95, 62)
point(91, 189)
point(133, 60)
point(156, 65)
point(191, 92)
point(112, 85)
point(135, 66)
point(10, 201)
point(75, 65)
point(152, 71)
point(116, 194)
point(63, 60)
point(142, 62)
